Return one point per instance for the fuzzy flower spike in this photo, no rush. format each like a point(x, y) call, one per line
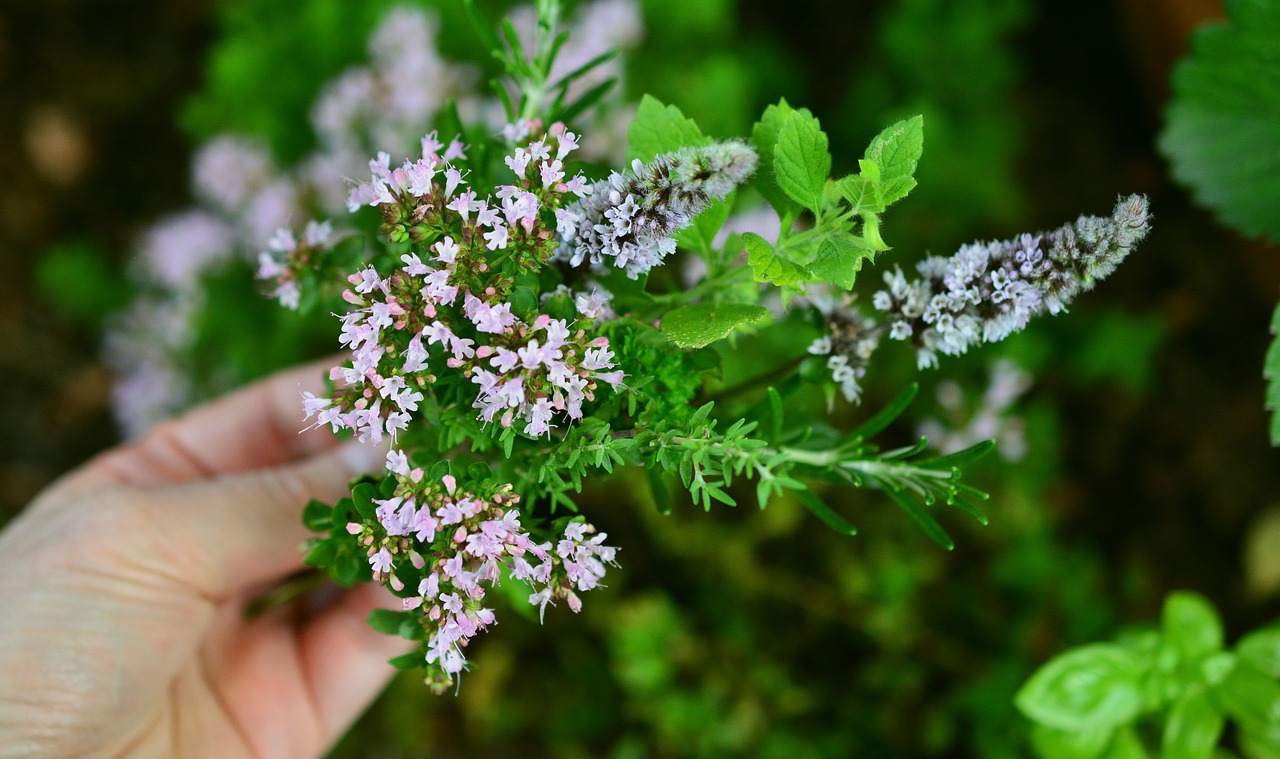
point(632, 218)
point(982, 293)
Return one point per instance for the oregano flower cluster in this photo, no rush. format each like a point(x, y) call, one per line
point(453, 306)
point(440, 546)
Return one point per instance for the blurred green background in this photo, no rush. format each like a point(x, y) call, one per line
point(740, 633)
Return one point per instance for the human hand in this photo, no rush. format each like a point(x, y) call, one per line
point(122, 588)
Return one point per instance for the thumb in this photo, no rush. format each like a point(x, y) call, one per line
point(236, 531)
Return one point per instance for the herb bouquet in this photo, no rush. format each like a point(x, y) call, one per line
point(525, 321)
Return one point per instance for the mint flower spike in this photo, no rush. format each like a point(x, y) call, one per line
point(632, 218)
point(987, 291)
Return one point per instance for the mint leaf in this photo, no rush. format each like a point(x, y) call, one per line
point(862, 192)
point(1220, 128)
point(702, 324)
point(1192, 728)
point(896, 151)
point(1093, 687)
point(659, 129)
point(768, 266)
point(839, 261)
point(1271, 371)
point(801, 161)
point(764, 138)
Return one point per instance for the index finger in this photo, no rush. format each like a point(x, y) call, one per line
point(257, 426)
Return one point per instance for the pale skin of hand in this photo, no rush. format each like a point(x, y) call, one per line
point(122, 590)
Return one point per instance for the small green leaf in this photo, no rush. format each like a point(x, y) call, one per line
point(321, 554)
point(317, 516)
point(895, 152)
point(1261, 649)
point(704, 323)
point(362, 496)
point(385, 621)
point(659, 129)
point(1190, 626)
point(801, 161)
point(871, 232)
point(1193, 727)
point(839, 261)
point(1094, 687)
point(412, 660)
point(885, 416)
point(862, 193)
point(1051, 743)
point(822, 511)
point(768, 266)
point(916, 511)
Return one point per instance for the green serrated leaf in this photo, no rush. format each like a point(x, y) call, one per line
point(767, 266)
point(895, 152)
point(659, 129)
point(1094, 687)
point(861, 192)
point(1220, 127)
point(801, 161)
point(764, 138)
point(839, 261)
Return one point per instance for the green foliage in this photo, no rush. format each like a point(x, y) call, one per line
point(702, 324)
point(1220, 131)
point(801, 160)
point(793, 144)
point(1175, 687)
point(272, 59)
point(895, 153)
point(79, 279)
point(659, 129)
